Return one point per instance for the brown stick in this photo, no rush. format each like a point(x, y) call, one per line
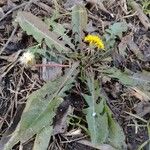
point(51, 65)
point(10, 38)
point(13, 9)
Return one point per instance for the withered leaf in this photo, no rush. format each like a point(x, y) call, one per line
point(143, 18)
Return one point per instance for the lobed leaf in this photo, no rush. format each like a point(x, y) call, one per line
point(117, 29)
point(140, 80)
point(79, 21)
point(116, 136)
point(102, 127)
point(39, 30)
point(114, 31)
point(60, 31)
point(41, 108)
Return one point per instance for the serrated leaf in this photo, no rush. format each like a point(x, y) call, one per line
point(39, 30)
point(41, 108)
point(102, 127)
point(79, 21)
point(117, 29)
point(33, 119)
point(97, 125)
point(124, 77)
point(114, 31)
point(128, 78)
point(116, 135)
point(36, 50)
point(96, 117)
point(60, 30)
point(42, 139)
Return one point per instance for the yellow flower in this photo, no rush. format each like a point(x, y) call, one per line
point(94, 40)
point(27, 59)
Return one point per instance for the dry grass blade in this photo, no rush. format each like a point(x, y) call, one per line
point(142, 108)
point(10, 38)
point(124, 3)
point(139, 94)
point(99, 147)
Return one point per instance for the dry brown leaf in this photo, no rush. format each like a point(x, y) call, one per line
point(49, 73)
point(1, 13)
point(127, 41)
point(11, 58)
point(143, 18)
point(74, 132)
point(139, 94)
point(142, 108)
point(3, 2)
point(60, 122)
point(70, 3)
point(99, 147)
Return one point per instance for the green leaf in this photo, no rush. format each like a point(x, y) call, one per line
point(101, 125)
point(96, 117)
point(79, 21)
point(117, 29)
point(39, 30)
point(41, 108)
point(146, 7)
point(124, 77)
point(60, 30)
point(42, 139)
point(114, 31)
point(116, 135)
point(128, 78)
point(36, 50)
point(43, 52)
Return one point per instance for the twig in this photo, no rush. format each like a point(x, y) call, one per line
point(10, 11)
point(44, 7)
point(13, 9)
point(51, 65)
point(10, 38)
point(128, 16)
point(74, 140)
point(29, 3)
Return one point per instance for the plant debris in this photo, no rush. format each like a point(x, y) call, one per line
point(74, 74)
